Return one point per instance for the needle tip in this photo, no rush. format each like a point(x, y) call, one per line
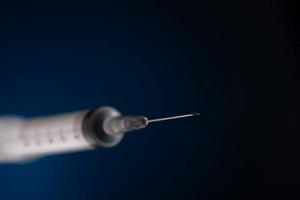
point(195, 114)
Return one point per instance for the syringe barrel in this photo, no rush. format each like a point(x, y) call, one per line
point(24, 139)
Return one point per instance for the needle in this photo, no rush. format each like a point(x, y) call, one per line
point(173, 117)
point(124, 124)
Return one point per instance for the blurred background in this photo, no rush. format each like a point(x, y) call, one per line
point(233, 61)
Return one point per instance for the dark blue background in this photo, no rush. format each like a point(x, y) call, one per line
point(227, 60)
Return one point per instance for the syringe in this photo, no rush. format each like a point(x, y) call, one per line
point(25, 139)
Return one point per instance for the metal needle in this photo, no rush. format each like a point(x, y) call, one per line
point(173, 117)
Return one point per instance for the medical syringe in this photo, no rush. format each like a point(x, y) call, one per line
point(25, 139)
